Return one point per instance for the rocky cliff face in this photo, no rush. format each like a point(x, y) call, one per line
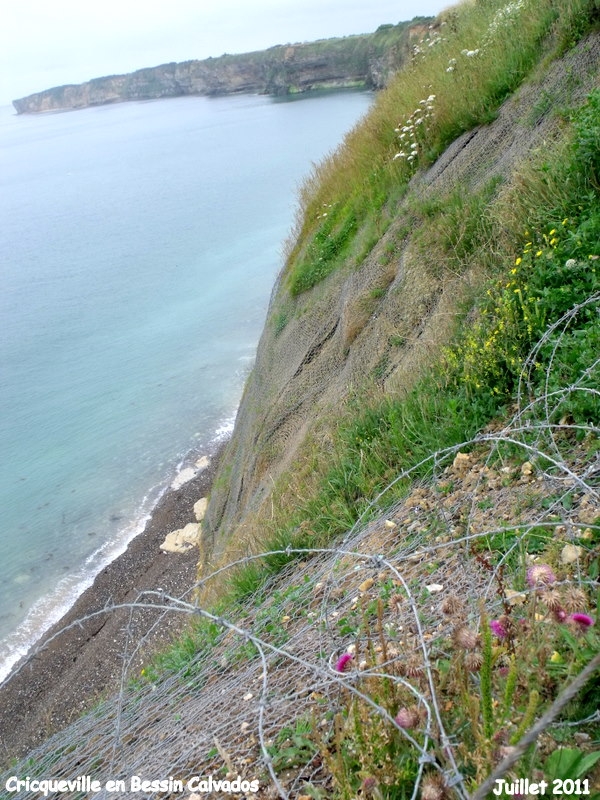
point(332, 63)
point(370, 327)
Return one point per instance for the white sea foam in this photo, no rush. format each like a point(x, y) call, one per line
point(129, 319)
point(224, 430)
point(183, 477)
point(47, 611)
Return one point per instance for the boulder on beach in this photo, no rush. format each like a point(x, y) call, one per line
point(202, 463)
point(182, 540)
point(200, 508)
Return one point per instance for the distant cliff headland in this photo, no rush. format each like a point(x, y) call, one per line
point(353, 61)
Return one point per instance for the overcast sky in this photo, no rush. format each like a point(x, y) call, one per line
point(46, 43)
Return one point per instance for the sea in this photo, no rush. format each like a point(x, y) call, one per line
point(139, 243)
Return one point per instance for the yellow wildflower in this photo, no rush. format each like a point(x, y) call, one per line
point(517, 262)
point(556, 657)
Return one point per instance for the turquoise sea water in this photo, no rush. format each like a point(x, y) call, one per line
point(138, 247)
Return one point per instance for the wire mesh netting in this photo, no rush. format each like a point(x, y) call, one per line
point(383, 320)
point(368, 635)
point(364, 645)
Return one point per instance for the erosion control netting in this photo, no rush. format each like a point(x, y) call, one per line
point(380, 322)
point(267, 701)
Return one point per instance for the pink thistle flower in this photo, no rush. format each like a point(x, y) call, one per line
point(560, 615)
point(407, 718)
point(343, 661)
point(540, 574)
point(583, 621)
point(498, 629)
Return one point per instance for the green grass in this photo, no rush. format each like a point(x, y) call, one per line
point(548, 222)
point(453, 92)
point(538, 237)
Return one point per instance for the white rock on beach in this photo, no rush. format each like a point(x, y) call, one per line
point(200, 508)
point(183, 477)
point(202, 463)
point(182, 540)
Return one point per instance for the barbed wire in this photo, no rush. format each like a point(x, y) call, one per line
point(119, 719)
point(567, 694)
point(271, 662)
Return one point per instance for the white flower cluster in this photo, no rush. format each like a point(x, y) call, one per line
point(325, 213)
point(431, 38)
point(503, 17)
point(408, 133)
point(466, 53)
point(435, 40)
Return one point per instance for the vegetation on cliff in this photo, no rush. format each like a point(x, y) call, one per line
point(413, 601)
point(458, 77)
point(524, 342)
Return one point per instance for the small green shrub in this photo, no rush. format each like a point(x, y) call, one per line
point(556, 269)
point(326, 249)
point(280, 320)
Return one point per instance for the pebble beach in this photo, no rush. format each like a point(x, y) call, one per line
point(81, 660)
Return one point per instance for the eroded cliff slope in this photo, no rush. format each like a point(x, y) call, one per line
point(368, 327)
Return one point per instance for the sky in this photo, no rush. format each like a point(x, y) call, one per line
point(45, 43)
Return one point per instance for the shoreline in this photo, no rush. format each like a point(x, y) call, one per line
point(60, 679)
